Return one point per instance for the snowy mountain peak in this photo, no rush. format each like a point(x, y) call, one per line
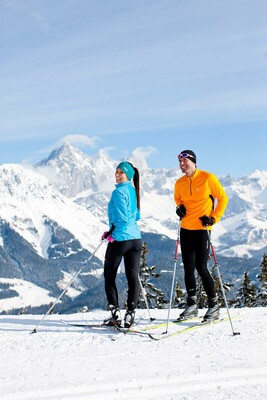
point(89, 182)
point(78, 186)
point(65, 153)
point(55, 213)
point(73, 172)
point(28, 200)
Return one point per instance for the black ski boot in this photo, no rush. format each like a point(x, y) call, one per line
point(213, 311)
point(115, 318)
point(129, 318)
point(191, 309)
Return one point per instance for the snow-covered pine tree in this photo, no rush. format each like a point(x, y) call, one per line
point(155, 297)
point(262, 278)
point(226, 286)
point(246, 294)
point(179, 297)
point(201, 294)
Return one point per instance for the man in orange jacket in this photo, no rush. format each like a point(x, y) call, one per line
point(201, 201)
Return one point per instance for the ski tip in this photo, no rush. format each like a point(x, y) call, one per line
point(153, 337)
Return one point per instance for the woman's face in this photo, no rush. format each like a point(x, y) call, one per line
point(120, 176)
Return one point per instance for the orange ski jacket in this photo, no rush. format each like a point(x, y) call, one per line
point(201, 194)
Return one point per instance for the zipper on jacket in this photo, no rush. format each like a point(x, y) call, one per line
point(190, 186)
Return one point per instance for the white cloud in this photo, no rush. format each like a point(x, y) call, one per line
point(79, 140)
point(140, 155)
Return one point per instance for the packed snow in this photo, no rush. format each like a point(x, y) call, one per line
point(64, 362)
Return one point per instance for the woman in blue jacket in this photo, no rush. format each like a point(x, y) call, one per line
point(124, 242)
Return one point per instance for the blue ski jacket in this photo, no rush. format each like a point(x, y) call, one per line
point(123, 212)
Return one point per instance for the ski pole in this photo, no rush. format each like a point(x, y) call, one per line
point(144, 295)
point(173, 276)
point(75, 276)
point(220, 280)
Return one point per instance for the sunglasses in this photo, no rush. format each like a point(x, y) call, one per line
point(184, 155)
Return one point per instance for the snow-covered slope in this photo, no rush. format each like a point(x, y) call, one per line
point(60, 362)
point(28, 199)
point(28, 294)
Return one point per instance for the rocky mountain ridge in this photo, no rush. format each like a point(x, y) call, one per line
point(53, 215)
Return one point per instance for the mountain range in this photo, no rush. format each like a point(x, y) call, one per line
point(54, 213)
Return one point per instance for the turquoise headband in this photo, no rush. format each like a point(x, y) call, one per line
point(127, 169)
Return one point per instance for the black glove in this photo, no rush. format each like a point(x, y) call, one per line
point(207, 220)
point(181, 211)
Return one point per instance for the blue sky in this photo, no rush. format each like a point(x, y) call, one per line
point(160, 76)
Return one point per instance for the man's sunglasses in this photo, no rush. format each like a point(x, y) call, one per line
point(184, 155)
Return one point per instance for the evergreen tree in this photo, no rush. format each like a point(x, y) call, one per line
point(262, 277)
point(246, 294)
point(179, 297)
point(201, 294)
point(155, 296)
point(218, 290)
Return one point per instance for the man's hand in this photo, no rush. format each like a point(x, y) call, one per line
point(181, 211)
point(207, 221)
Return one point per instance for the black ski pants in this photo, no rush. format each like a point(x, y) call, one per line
point(195, 253)
point(130, 251)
